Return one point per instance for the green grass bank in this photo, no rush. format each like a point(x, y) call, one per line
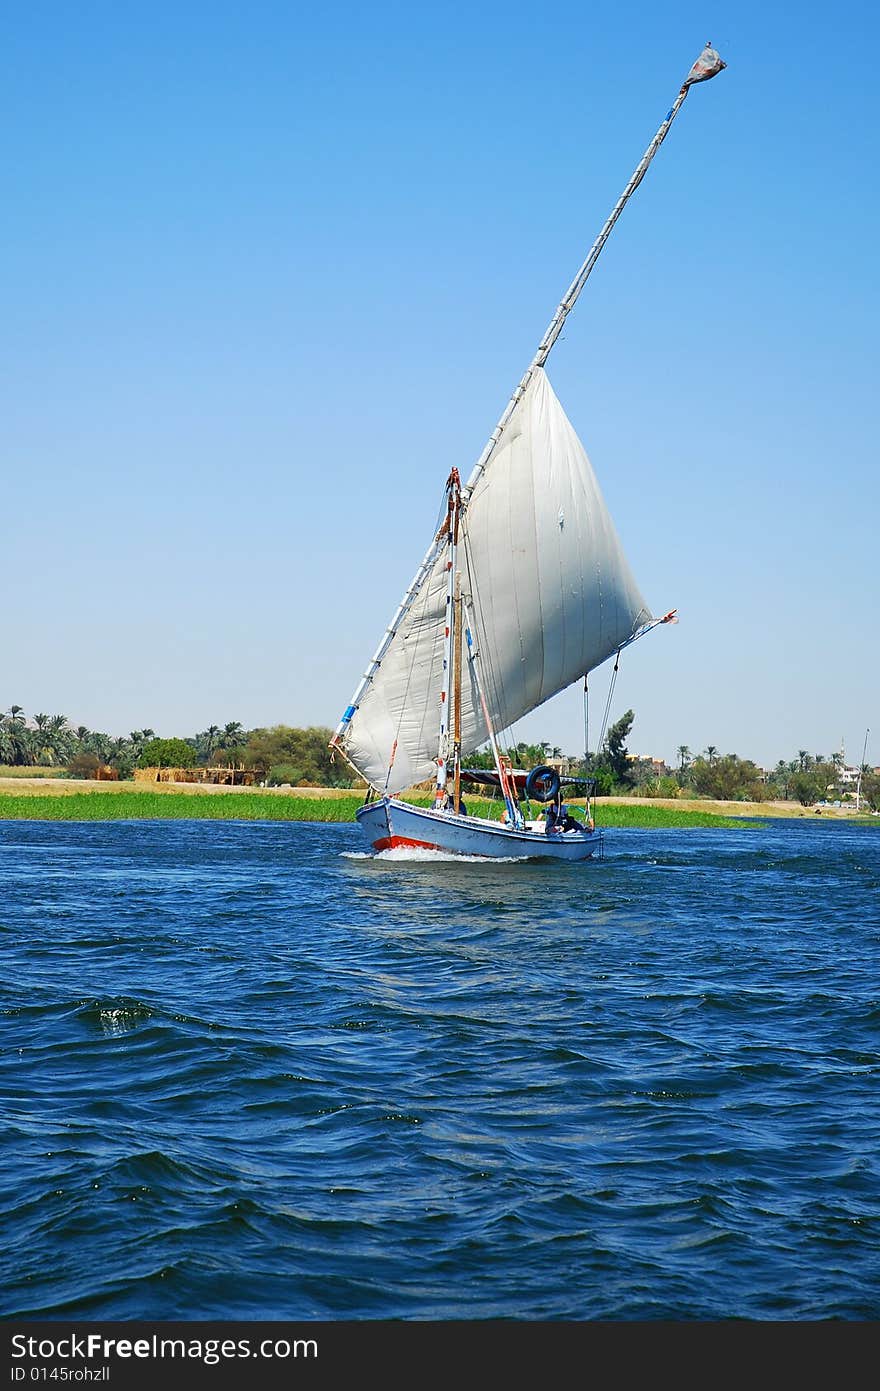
point(270, 806)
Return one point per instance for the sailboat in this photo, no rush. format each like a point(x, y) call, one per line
point(524, 590)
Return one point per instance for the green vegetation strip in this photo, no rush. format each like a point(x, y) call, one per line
point(260, 806)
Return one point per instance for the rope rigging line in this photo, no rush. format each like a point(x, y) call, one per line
point(608, 701)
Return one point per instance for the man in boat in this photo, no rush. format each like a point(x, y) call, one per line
point(560, 819)
point(567, 821)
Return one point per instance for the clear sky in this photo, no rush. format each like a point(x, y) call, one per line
point(269, 269)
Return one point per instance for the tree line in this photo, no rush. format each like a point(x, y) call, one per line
point(279, 754)
point(282, 754)
point(807, 779)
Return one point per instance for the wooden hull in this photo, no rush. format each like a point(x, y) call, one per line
point(391, 824)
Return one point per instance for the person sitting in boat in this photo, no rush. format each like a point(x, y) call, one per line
point(449, 805)
point(560, 819)
point(567, 822)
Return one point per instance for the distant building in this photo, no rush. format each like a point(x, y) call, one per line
point(564, 766)
point(646, 763)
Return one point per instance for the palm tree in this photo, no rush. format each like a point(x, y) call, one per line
point(711, 754)
point(60, 738)
point(139, 738)
point(100, 745)
point(684, 757)
point(120, 753)
point(207, 741)
point(16, 741)
point(41, 742)
point(231, 736)
point(25, 751)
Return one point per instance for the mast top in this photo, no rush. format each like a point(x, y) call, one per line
point(709, 64)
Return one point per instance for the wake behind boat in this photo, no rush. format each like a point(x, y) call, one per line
point(524, 590)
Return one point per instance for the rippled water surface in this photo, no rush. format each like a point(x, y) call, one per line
point(248, 1072)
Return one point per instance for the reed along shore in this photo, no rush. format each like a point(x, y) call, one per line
point(23, 799)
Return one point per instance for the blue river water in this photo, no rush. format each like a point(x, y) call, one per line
point(248, 1072)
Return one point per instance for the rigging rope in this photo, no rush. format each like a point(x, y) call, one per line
point(608, 701)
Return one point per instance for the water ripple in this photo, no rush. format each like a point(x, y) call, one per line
point(249, 1072)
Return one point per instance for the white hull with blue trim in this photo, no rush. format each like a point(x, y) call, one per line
point(392, 824)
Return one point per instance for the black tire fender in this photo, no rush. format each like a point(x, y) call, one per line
point(542, 784)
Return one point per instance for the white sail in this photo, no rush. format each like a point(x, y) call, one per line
point(550, 590)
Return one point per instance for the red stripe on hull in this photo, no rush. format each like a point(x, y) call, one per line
point(394, 843)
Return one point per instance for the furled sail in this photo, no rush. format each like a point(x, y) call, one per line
point(547, 585)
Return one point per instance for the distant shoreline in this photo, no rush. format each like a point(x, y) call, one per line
point(65, 799)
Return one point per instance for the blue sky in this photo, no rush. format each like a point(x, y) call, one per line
point(267, 272)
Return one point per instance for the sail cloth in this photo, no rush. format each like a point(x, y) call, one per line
point(548, 587)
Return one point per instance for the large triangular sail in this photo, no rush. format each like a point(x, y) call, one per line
point(549, 587)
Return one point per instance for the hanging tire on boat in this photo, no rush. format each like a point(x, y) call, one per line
point(542, 784)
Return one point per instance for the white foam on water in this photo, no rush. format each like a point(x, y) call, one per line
point(418, 854)
point(121, 1020)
